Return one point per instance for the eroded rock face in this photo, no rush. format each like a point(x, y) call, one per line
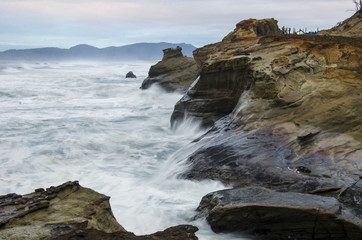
point(276, 215)
point(68, 211)
point(286, 115)
point(174, 72)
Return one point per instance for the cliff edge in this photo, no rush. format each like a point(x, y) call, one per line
point(285, 115)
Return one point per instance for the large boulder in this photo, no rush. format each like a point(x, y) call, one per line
point(174, 72)
point(69, 211)
point(278, 215)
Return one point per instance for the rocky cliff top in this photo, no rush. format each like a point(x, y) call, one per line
point(351, 27)
point(172, 53)
point(253, 27)
point(174, 72)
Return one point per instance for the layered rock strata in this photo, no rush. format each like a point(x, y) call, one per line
point(174, 72)
point(276, 214)
point(222, 78)
point(286, 115)
point(69, 211)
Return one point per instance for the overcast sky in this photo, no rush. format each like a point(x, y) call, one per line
point(102, 23)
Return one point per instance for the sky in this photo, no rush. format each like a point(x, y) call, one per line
point(103, 23)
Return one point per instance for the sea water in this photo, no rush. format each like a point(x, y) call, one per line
point(85, 121)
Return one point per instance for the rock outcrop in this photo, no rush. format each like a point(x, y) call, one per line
point(351, 27)
point(285, 112)
point(130, 75)
point(277, 214)
point(174, 72)
point(69, 211)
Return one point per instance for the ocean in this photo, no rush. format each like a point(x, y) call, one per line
point(85, 121)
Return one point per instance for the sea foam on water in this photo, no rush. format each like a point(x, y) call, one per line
point(85, 121)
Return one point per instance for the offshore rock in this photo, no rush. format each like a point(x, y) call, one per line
point(182, 232)
point(68, 211)
point(130, 75)
point(174, 72)
point(286, 115)
point(272, 215)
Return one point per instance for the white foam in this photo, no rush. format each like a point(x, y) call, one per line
point(86, 122)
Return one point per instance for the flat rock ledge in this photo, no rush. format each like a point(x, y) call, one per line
point(272, 215)
point(174, 72)
point(69, 211)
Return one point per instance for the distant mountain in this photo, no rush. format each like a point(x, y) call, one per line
point(137, 51)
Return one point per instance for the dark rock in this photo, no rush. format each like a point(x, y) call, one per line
point(69, 211)
point(172, 53)
point(174, 73)
point(130, 75)
point(182, 232)
point(259, 159)
point(275, 215)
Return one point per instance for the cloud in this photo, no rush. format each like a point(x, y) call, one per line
point(125, 21)
point(161, 11)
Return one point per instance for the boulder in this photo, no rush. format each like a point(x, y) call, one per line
point(130, 75)
point(277, 215)
point(174, 72)
point(68, 211)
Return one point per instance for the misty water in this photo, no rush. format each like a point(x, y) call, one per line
point(85, 121)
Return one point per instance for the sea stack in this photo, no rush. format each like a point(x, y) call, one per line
point(130, 75)
point(174, 72)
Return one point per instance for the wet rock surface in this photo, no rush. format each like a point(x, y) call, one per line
point(286, 115)
point(174, 72)
point(276, 215)
point(68, 211)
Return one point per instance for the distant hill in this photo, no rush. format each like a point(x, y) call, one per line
point(137, 51)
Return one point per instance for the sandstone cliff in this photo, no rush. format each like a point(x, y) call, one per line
point(286, 114)
point(174, 72)
point(69, 211)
